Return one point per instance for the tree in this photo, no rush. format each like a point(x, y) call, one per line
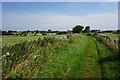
point(77, 29)
point(36, 31)
point(28, 31)
point(9, 32)
point(4, 33)
point(87, 29)
point(49, 30)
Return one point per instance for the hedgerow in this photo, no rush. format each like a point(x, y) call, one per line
point(29, 56)
point(108, 42)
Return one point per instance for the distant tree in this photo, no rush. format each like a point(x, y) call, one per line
point(107, 31)
point(4, 32)
point(116, 32)
point(49, 30)
point(9, 32)
point(95, 31)
point(36, 31)
point(61, 32)
point(87, 29)
point(77, 29)
point(28, 31)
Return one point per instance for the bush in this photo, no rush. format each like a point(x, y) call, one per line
point(69, 36)
point(59, 33)
point(44, 33)
point(89, 34)
point(25, 35)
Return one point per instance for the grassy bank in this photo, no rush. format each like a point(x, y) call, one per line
point(109, 60)
point(78, 56)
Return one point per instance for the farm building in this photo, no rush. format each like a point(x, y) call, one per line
point(16, 33)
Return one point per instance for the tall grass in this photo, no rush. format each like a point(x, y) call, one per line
point(109, 61)
point(109, 43)
point(27, 57)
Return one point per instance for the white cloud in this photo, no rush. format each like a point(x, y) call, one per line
point(54, 21)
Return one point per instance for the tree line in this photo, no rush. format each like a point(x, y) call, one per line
point(76, 29)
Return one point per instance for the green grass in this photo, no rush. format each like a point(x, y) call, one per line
point(16, 39)
point(76, 57)
point(109, 60)
point(111, 35)
point(77, 62)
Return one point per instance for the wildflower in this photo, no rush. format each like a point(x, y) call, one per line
point(7, 53)
point(34, 57)
point(4, 56)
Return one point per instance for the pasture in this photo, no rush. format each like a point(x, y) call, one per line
point(16, 39)
point(112, 36)
point(54, 56)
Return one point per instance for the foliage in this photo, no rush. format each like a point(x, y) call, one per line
point(87, 29)
point(109, 62)
point(107, 41)
point(43, 33)
point(89, 34)
point(50, 57)
point(77, 29)
point(117, 32)
point(107, 31)
point(60, 33)
point(49, 30)
point(37, 51)
point(95, 31)
point(10, 32)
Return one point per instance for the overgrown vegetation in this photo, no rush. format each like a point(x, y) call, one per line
point(109, 61)
point(113, 45)
point(32, 54)
point(65, 56)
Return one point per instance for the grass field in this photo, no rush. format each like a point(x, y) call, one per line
point(111, 35)
point(79, 56)
point(16, 39)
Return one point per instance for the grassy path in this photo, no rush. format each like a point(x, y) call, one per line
point(81, 61)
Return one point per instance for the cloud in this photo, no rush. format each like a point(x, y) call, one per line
point(55, 21)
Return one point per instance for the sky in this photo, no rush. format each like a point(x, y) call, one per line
point(0, 15)
point(60, 0)
point(59, 15)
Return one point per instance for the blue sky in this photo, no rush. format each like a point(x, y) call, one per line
point(67, 8)
point(59, 15)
